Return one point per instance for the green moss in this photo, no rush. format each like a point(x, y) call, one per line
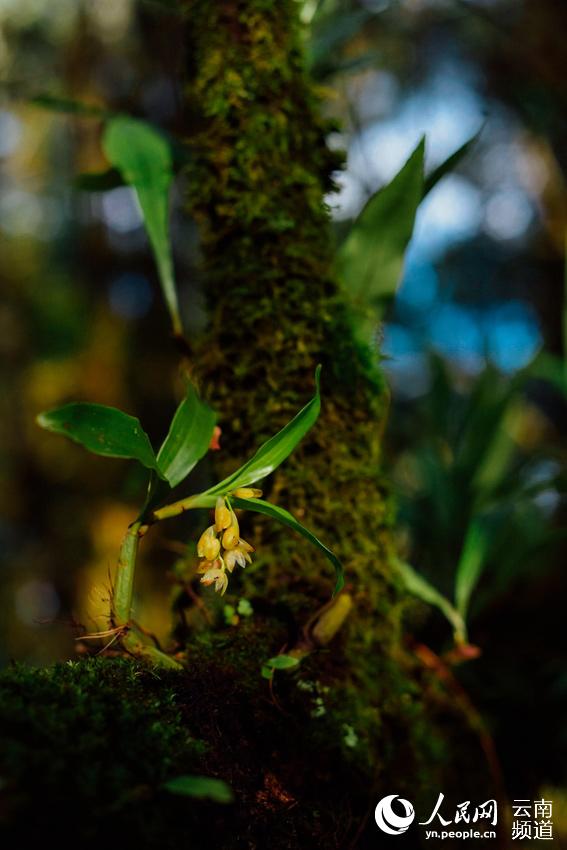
point(260, 169)
point(85, 747)
point(86, 744)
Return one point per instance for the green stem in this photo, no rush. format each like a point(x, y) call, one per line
point(122, 593)
point(134, 644)
point(131, 640)
point(201, 500)
point(124, 580)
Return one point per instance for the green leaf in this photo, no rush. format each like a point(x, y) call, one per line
point(471, 563)
point(245, 608)
point(282, 662)
point(370, 260)
point(201, 788)
point(102, 430)
point(485, 448)
point(329, 37)
point(99, 181)
point(418, 586)
point(188, 439)
point(450, 163)
point(492, 471)
point(144, 158)
point(283, 516)
point(69, 106)
point(548, 367)
point(275, 450)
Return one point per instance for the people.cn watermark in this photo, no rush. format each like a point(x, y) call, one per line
point(388, 820)
point(394, 815)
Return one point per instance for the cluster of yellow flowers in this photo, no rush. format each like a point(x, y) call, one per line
point(220, 545)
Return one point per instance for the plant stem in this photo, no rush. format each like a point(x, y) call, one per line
point(122, 600)
point(124, 580)
point(201, 500)
point(121, 606)
point(133, 643)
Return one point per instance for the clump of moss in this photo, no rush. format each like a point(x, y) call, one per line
point(86, 747)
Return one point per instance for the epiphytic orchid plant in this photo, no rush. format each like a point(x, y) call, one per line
point(143, 158)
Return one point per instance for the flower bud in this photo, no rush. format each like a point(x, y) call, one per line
point(208, 546)
point(247, 493)
point(222, 515)
point(231, 537)
point(211, 548)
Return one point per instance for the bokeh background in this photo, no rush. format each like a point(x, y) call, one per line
point(473, 346)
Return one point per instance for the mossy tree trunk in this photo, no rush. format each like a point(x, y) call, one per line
point(257, 183)
point(261, 168)
point(260, 171)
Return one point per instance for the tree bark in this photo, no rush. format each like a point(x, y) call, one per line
point(260, 170)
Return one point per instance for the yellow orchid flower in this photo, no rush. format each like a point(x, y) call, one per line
point(221, 548)
point(237, 556)
point(231, 536)
point(223, 517)
point(219, 577)
point(208, 546)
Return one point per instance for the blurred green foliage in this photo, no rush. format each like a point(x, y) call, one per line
point(470, 476)
point(477, 460)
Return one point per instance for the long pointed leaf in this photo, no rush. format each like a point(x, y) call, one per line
point(188, 438)
point(283, 516)
point(200, 787)
point(102, 430)
point(548, 367)
point(99, 181)
point(69, 106)
point(329, 37)
point(450, 163)
point(471, 563)
point(370, 260)
point(144, 158)
point(419, 586)
point(275, 450)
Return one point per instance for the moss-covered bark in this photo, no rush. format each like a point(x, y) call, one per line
point(260, 170)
